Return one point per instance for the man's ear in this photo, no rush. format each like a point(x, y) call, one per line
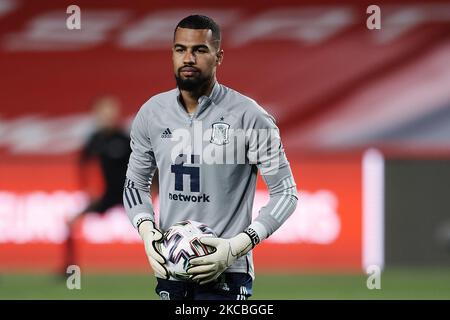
point(219, 57)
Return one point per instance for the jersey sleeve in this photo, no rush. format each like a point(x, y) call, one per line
point(266, 151)
point(141, 168)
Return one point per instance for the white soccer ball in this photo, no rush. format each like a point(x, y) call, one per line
point(180, 243)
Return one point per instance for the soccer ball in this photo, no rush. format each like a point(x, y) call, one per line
point(180, 243)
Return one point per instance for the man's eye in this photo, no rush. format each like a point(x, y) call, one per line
point(202, 50)
point(179, 50)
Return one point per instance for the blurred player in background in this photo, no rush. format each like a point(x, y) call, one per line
point(109, 144)
point(218, 195)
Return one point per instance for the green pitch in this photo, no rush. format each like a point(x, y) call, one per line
point(395, 284)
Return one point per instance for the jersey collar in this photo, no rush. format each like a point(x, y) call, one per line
point(214, 96)
point(205, 101)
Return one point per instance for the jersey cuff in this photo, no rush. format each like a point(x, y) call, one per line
point(257, 232)
point(141, 217)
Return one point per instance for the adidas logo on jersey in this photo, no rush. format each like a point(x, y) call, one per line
point(166, 134)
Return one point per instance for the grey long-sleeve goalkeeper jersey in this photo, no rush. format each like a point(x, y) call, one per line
point(208, 165)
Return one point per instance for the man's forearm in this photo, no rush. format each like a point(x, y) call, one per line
point(282, 203)
point(273, 215)
point(137, 203)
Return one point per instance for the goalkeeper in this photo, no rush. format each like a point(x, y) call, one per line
point(175, 132)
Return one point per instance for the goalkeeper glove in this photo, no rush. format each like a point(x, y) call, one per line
point(152, 237)
point(209, 267)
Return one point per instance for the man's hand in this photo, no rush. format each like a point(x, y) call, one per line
point(207, 268)
point(151, 237)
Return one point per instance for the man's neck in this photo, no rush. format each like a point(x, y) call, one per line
point(190, 98)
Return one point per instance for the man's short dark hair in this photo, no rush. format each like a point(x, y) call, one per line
point(197, 21)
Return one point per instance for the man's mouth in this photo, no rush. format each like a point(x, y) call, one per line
point(188, 71)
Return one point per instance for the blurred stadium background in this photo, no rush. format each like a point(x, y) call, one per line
point(364, 116)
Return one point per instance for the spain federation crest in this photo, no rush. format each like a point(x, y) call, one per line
point(220, 133)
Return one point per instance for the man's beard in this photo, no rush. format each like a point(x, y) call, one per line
point(194, 84)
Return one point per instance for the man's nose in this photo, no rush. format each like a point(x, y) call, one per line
point(189, 57)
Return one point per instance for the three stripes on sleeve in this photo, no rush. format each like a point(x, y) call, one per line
point(132, 194)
